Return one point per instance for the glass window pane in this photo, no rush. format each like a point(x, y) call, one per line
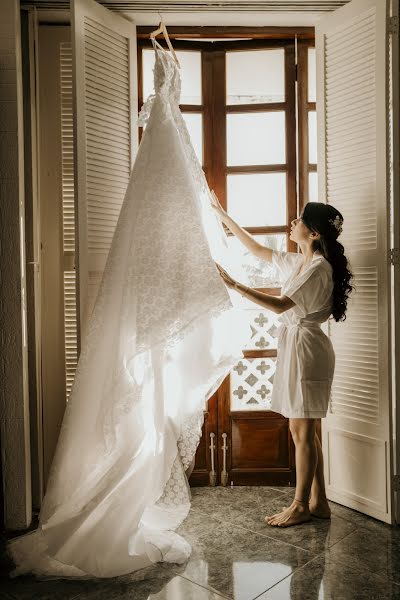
point(256, 138)
point(148, 58)
point(194, 123)
point(255, 76)
point(190, 72)
point(251, 384)
point(312, 137)
point(313, 187)
point(312, 76)
point(259, 272)
point(257, 199)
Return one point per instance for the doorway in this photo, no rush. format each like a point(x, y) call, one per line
point(236, 97)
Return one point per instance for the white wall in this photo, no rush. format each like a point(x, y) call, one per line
point(14, 410)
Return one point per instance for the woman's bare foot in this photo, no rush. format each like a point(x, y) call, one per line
point(320, 509)
point(295, 514)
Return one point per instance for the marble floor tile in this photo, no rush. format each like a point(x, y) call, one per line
point(197, 524)
point(249, 511)
point(358, 519)
point(364, 521)
point(285, 489)
point(328, 578)
point(172, 588)
point(235, 562)
point(164, 584)
point(314, 536)
point(378, 552)
point(185, 589)
point(229, 503)
point(29, 588)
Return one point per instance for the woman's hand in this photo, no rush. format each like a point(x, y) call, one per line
point(229, 281)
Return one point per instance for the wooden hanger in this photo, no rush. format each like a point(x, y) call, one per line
point(162, 29)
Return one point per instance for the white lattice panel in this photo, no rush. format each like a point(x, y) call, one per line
point(251, 384)
point(263, 324)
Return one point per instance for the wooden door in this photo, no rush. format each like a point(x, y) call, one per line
point(354, 157)
point(231, 92)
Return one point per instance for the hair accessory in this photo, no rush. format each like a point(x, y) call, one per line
point(337, 223)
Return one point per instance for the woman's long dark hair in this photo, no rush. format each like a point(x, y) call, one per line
point(326, 220)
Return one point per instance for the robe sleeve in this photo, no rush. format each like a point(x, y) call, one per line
point(309, 293)
point(285, 262)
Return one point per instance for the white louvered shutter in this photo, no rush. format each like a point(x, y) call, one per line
point(68, 212)
point(105, 94)
point(353, 160)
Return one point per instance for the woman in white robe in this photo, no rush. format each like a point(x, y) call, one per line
point(316, 285)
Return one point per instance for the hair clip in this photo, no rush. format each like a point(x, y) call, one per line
point(337, 223)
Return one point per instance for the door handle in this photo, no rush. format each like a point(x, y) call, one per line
point(224, 472)
point(212, 474)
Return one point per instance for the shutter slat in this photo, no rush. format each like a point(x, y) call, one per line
point(358, 345)
point(68, 207)
point(108, 140)
point(109, 38)
point(96, 81)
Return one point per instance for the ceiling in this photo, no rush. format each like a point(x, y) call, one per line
point(204, 12)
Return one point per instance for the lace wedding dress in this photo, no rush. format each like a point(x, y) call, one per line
point(162, 336)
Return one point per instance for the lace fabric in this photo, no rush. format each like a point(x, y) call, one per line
point(162, 335)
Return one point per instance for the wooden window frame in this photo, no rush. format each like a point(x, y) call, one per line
point(216, 165)
point(214, 111)
point(233, 31)
point(304, 108)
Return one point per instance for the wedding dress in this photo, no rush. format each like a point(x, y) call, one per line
point(162, 336)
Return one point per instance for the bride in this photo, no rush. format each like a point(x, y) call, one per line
point(316, 285)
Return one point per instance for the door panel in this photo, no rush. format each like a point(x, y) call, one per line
point(52, 359)
point(260, 442)
point(260, 447)
point(351, 46)
point(105, 102)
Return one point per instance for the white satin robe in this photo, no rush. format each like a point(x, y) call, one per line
point(306, 359)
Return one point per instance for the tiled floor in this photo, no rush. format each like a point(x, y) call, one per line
point(236, 555)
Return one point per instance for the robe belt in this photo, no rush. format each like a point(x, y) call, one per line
point(302, 324)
